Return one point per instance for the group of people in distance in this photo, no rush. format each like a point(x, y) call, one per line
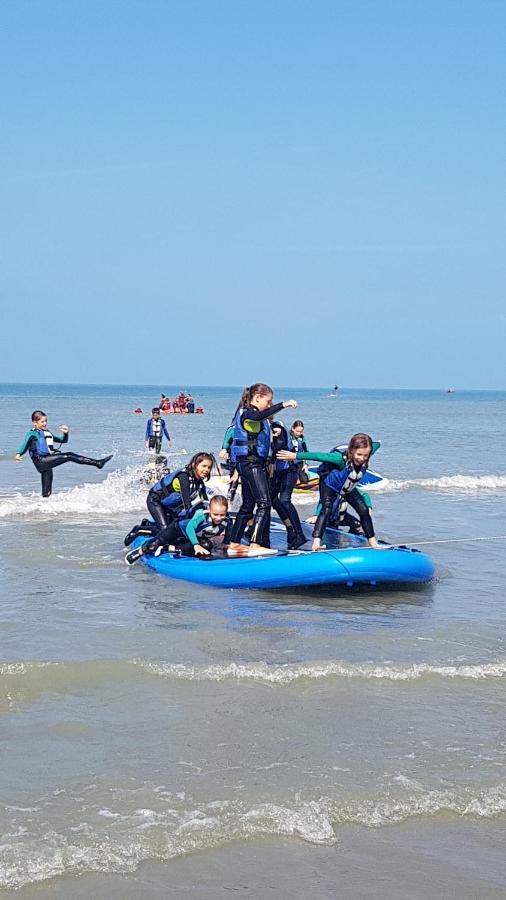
point(267, 458)
point(183, 403)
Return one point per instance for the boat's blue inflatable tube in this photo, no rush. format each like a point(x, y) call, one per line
point(350, 562)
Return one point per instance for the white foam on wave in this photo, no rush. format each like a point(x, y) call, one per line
point(123, 491)
point(120, 492)
point(453, 484)
point(446, 484)
point(374, 813)
point(118, 837)
point(288, 674)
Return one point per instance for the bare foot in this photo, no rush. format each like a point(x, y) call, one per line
point(262, 551)
point(249, 550)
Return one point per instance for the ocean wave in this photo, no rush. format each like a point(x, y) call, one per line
point(288, 674)
point(124, 492)
point(118, 837)
point(446, 484)
point(120, 492)
point(453, 484)
point(23, 682)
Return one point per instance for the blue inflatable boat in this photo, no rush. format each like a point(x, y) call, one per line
point(348, 561)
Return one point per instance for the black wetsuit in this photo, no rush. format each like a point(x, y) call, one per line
point(354, 498)
point(165, 504)
point(183, 536)
point(283, 482)
point(256, 498)
point(45, 463)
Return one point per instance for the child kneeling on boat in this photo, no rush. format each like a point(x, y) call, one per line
point(198, 534)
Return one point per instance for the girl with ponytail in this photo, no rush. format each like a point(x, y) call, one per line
point(250, 451)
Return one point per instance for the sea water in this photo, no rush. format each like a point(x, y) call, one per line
point(150, 721)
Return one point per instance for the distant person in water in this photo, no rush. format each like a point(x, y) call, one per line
point(155, 431)
point(39, 442)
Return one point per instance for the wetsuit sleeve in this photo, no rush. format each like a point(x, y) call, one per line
point(61, 438)
point(255, 415)
point(336, 457)
point(375, 446)
point(192, 524)
point(228, 532)
point(229, 437)
point(30, 439)
point(148, 430)
point(304, 447)
point(164, 430)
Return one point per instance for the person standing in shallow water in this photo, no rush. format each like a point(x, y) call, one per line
point(39, 442)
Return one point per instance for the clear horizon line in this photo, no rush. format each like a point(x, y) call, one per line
point(240, 387)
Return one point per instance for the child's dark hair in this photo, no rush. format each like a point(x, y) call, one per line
point(155, 409)
point(198, 458)
point(297, 424)
point(38, 414)
point(358, 442)
point(219, 500)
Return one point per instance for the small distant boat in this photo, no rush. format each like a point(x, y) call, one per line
point(450, 391)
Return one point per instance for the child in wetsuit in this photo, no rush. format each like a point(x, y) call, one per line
point(283, 481)
point(299, 443)
point(39, 442)
point(176, 493)
point(251, 450)
point(155, 430)
point(197, 534)
point(346, 472)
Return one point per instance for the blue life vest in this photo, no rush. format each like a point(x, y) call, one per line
point(344, 481)
point(45, 443)
point(249, 445)
point(171, 497)
point(325, 468)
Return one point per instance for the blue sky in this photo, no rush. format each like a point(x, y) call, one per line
point(224, 192)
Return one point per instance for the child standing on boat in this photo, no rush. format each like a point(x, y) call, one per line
point(347, 470)
point(283, 481)
point(251, 450)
